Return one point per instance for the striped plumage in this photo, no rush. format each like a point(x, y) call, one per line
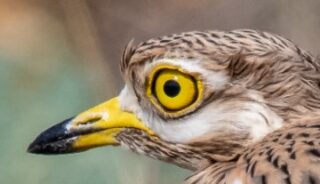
point(289, 155)
point(286, 76)
point(257, 122)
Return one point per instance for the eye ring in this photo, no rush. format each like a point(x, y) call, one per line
point(173, 91)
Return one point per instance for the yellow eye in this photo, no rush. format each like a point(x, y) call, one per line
point(174, 90)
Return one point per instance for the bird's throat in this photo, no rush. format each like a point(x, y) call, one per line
point(192, 156)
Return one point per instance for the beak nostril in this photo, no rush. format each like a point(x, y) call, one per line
point(89, 120)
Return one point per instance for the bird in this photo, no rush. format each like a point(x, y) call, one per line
point(234, 107)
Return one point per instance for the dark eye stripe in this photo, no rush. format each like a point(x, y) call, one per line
point(171, 88)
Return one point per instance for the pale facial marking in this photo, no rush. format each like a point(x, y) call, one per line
point(253, 118)
point(237, 181)
point(215, 118)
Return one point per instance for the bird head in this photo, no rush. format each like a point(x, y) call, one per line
point(192, 98)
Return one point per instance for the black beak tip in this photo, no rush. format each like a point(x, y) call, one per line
point(54, 140)
point(34, 148)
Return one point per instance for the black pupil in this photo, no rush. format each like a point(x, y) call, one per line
point(171, 88)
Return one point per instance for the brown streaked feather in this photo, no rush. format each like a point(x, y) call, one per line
point(287, 156)
point(127, 54)
point(192, 156)
point(285, 75)
point(286, 78)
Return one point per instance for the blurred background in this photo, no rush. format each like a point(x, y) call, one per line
point(59, 57)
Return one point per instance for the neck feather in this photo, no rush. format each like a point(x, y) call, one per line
point(193, 156)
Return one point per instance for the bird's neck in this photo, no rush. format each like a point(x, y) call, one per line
point(193, 156)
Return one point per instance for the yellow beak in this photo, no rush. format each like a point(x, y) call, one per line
point(95, 127)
